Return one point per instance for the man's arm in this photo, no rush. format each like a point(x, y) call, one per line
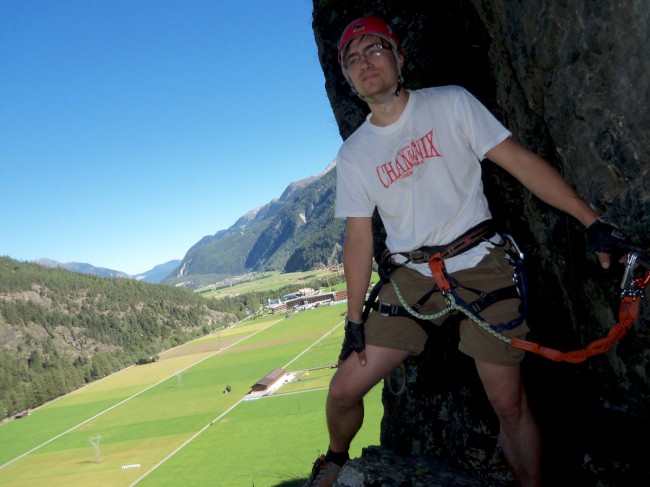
point(357, 263)
point(545, 182)
point(542, 179)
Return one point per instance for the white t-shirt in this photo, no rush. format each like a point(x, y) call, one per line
point(423, 172)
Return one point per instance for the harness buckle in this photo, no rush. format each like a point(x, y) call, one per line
point(384, 309)
point(631, 284)
point(418, 256)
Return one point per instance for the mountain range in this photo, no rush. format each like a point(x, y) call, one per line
point(295, 232)
point(155, 275)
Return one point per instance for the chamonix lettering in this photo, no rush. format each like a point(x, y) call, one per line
point(414, 154)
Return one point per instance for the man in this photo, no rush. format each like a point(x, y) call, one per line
point(417, 159)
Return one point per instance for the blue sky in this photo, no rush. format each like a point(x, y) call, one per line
point(131, 129)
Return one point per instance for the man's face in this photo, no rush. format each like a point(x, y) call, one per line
point(371, 66)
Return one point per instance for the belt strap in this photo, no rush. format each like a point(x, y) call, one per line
point(466, 241)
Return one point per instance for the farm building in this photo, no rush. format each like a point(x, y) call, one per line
point(304, 300)
point(277, 308)
point(268, 380)
point(316, 298)
point(22, 414)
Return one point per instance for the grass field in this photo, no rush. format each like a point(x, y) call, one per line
point(274, 281)
point(170, 422)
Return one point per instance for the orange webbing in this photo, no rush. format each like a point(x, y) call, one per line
point(628, 313)
point(643, 282)
point(437, 266)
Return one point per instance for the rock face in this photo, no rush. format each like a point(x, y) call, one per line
point(572, 82)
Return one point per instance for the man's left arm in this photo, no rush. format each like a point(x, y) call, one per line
point(545, 182)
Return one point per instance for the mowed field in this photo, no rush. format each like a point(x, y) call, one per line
point(171, 423)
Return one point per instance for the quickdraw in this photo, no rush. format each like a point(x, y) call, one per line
point(632, 289)
point(632, 292)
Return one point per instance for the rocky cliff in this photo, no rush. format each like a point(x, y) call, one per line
point(572, 82)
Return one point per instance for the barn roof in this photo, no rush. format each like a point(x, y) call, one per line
point(269, 378)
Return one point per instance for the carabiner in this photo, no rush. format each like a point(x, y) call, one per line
point(632, 285)
point(514, 248)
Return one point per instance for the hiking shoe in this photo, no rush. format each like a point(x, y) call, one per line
point(323, 473)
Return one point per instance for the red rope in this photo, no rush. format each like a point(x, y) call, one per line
point(627, 315)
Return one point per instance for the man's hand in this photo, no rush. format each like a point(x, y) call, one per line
point(354, 340)
point(607, 240)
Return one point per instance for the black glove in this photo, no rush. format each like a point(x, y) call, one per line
point(607, 238)
point(354, 340)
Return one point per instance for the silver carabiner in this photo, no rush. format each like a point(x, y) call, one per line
point(513, 246)
point(634, 259)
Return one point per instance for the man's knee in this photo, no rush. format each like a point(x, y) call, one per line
point(341, 395)
point(504, 389)
point(344, 392)
point(511, 409)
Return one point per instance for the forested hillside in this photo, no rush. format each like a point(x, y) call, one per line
point(60, 330)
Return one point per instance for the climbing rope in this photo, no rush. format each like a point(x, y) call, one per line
point(391, 386)
point(452, 305)
point(631, 296)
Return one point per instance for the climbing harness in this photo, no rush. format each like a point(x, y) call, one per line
point(476, 235)
point(632, 291)
point(434, 255)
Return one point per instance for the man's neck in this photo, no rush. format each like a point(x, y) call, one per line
point(388, 111)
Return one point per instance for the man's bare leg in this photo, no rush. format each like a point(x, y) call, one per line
point(349, 385)
point(519, 433)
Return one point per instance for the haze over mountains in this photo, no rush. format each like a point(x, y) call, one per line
point(155, 275)
point(294, 232)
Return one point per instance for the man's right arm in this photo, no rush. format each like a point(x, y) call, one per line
point(357, 263)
